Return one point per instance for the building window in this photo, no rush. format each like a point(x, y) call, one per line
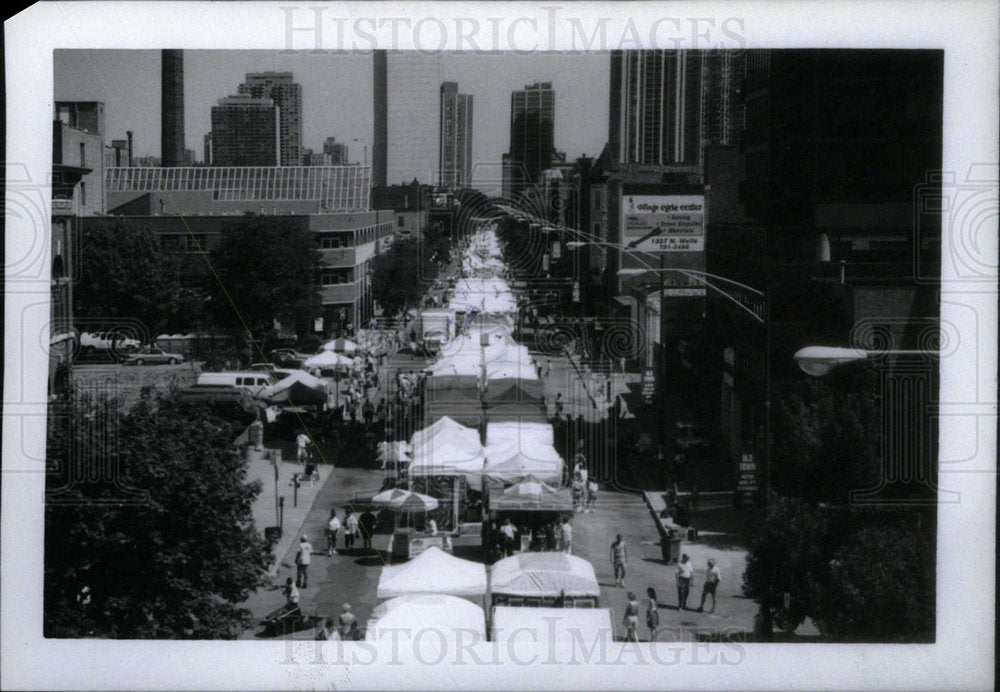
point(83, 194)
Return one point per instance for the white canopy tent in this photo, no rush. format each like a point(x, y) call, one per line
point(524, 434)
point(433, 572)
point(448, 616)
point(442, 429)
point(544, 625)
point(506, 463)
point(544, 574)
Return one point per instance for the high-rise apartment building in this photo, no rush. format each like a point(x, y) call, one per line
point(172, 108)
point(286, 94)
point(722, 105)
point(655, 108)
point(456, 136)
point(532, 133)
point(337, 151)
point(411, 98)
point(245, 132)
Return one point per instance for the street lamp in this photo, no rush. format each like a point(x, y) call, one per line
point(820, 360)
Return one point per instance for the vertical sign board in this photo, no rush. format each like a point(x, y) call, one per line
point(664, 223)
point(746, 485)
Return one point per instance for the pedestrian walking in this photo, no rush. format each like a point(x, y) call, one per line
point(351, 529)
point(301, 445)
point(368, 522)
point(559, 404)
point(347, 623)
point(507, 532)
point(631, 618)
point(685, 571)
point(619, 559)
point(302, 559)
point(577, 493)
point(712, 578)
point(652, 613)
point(591, 495)
point(566, 536)
point(327, 631)
point(368, 413)
point(332, 529)
point(550, 535)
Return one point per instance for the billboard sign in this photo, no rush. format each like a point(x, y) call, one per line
point(664, 223)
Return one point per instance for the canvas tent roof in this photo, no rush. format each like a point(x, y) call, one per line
point(298, 389)
point(513, 390)
point(448, 616)
point(525, 434)
point(531, 495)
point(544, 574)
point(586, 625)
point(508, 464)
point(433, 571)
point(445, 428)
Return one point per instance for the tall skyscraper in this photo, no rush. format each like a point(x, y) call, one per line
point(722, 107)
point(380, 119)
point(532, 133)
point(172, 108)
point(655, 108)
point(286, 94)
point(337, 151)
point(412, 83)
point(245, 132)
point(456, 136)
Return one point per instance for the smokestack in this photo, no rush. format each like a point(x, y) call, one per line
point(172, 108)
point(130, 160)
point(380, 84)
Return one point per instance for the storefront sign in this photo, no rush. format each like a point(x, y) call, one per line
point(664, 223)
point(648, 384)
point(746, 485)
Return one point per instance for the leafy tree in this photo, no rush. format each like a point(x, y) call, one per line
point(860, 574)
point(399, 276)
point(827, 435)
point(127, 275)
point(265, 269)
point(163, 544)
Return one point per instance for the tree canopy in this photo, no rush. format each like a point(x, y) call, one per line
point(162, 544)
point(265, 269)
point(127, 276)
point(400, 275)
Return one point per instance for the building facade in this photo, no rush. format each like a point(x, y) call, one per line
point(246, 132)
point(532, 134)
point(286, 95)
point(455, 136)
point(337, 151)
point(817, 210)
point(172, 108)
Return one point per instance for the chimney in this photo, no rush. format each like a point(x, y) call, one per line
point(129, 133)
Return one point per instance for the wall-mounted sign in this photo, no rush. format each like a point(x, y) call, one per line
point(664, 223)
point(746, 483)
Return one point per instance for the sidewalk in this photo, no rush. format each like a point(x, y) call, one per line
point(264, 513)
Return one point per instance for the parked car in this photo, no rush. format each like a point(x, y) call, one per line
point(288, 358)
point(153, 355)
point(107, 341)
point(691, 437)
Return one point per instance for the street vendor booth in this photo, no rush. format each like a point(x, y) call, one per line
point(448, 461)
point(514, 399)
point(543, 580)
point(533, 507)
point(409, 535)
point(433, 571)
point(446, 616)
point(526, 434)
point(586, 626)
point(453, 396)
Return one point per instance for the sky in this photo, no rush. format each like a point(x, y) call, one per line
point(336, 93)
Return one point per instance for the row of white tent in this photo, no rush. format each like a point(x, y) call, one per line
point(503, 358)
point(430, 591)
point(513, 451)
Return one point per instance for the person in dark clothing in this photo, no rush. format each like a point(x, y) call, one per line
point(368, 523)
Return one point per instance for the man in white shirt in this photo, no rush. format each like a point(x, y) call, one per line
point(302, 559)
point(508, 531)
point(566, 533)
point(685, 571)
point(332, 529)
point(301, 443)
point(712, 578)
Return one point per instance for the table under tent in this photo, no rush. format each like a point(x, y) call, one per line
point(544, 580)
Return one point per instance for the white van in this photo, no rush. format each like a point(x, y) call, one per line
point(251, 382)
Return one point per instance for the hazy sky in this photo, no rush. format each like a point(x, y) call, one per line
point(336, 93)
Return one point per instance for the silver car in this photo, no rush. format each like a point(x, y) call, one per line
point(153, 355)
